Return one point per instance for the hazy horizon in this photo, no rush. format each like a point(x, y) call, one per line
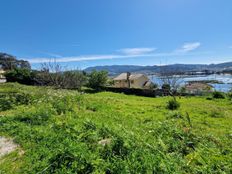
point(70, 66)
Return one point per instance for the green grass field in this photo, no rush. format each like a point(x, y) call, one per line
point(62, 131)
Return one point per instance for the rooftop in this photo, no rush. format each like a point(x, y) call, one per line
point(123, 76)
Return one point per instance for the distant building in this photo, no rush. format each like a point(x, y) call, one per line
point(197, 87)
point(1, 73)
point(2, 77)
point(127, 80)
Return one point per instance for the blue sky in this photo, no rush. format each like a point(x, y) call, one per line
point(82, 33)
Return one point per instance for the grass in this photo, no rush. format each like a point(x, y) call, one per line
point(60, 131)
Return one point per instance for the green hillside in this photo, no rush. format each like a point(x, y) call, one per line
point(63, 131)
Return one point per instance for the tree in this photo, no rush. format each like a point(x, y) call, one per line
point(171, 80)
point(53, 74)
point(73, 79)
point(21, 75)
point(166, 86)
point(97, 79)
point(23, 64)
point(9, 62)
point(50, 74)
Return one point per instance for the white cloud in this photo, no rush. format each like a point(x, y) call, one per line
point(123, 53)
point(99, 57)
point(187, 47)
point(83, 58)
point(136, 51)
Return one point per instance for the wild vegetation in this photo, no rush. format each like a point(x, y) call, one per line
point(50, 74)
point(64, 131)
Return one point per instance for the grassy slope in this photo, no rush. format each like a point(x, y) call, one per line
point(59, 131)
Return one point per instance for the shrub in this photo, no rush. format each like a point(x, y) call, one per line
point(73, 79)
point(5, 103)
point(53, 74)
point(173, 104)
point(8, 101)
point(218, 95)
point(65, 80)
point(230, 95)
point(36, 116)
point(65, 104)
point(208, 98)
point(166, 87)
point(69, 162)
point(21, 75)
point(97, 79)
point(182, 90)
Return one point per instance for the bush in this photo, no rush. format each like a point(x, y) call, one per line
point(218, 95)
point(65, 104)
point(5, 103)
point(69, 162)
point(9, 101)
point(230, 95)
point(182, 90)
point(97, 79)
point(53, 74)
point(166, 87)
point(36, 115)
point(65, 80)
point(21, 75)
point(73, 79)
point(173, 104)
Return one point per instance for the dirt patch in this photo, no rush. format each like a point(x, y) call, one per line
point(105, 142)
point(6, 146)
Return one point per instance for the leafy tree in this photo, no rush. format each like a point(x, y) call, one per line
point(9, 62)
point(23, 64)
point(73, 79)
point(97, 79)
point(20, 75)
point(166, 86)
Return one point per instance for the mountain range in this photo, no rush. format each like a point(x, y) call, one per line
point(117, 69)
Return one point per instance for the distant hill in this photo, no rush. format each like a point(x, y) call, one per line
point(117, 69)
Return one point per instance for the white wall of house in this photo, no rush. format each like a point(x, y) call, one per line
point(1, 74)
point(2, 78)
point(121, 84)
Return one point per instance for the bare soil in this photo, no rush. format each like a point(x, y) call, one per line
point(6, 146)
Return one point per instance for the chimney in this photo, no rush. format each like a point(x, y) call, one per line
point(128, 78)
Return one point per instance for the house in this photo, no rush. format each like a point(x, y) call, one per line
point(2, 78)
point(127, 80)
point(198, 87)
